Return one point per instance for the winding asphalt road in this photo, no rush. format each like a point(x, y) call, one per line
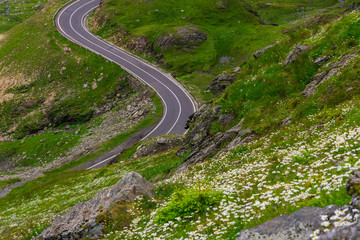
point(178, 105)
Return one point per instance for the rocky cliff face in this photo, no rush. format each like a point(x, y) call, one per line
point(200, 143)
point(82, 220)
point(219, 84)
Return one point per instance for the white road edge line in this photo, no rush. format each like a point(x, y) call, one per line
point(109, 158)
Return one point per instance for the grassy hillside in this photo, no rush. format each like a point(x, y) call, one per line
point(267, 88)
point(303, 150)
point(50, 89)
point(235, 29)
point(15, 11)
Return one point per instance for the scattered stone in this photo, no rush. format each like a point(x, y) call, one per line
point(221, 82)
point(58, 144)
point(295, 53)
point(82, 220)
point(161, 140)
point(260, 52)
point(286, 122)
point(296, 226)
point(322, 60)
point(224, 60)
point(67, 50)
point(221, 4)
point(94, 86)
point(237, 69)
point(86, 85)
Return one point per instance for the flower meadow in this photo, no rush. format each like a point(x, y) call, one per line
point(278, 174)
point(304, 164)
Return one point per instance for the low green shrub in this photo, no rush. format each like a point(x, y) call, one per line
point(186, 202)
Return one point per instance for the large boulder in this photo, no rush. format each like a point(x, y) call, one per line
point(295, 53)
point(343, 233)
point(220, 83)
point(81, 221)
point(351, 231)
point(296, 226)
point(188, 35)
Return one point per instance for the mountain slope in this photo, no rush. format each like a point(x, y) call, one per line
point(282, 136)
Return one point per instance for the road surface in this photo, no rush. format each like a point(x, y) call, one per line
point(177, 102)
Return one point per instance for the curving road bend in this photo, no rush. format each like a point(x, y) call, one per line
point(178, 105)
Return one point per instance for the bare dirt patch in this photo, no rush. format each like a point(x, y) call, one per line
point(10, 80)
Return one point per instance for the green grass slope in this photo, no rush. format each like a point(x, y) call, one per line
point(235, 30)
point(15, 11)
point(286, 167)
point(50, 89)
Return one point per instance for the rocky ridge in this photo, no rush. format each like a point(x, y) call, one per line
point(82, 220)
point(327, 71)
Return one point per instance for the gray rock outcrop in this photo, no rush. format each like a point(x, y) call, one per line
point(322, 60)
point(343, 233)
point(81, 221)
point(260, 52)
point(226, 119)
point(140, 44)
point(158, 145)
point(221, 82)
point(296, 226)
point(321, 77)
point(188, 35)
point(295, 53)
point(351, 232)
point(199, 143)
point(353, 189)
